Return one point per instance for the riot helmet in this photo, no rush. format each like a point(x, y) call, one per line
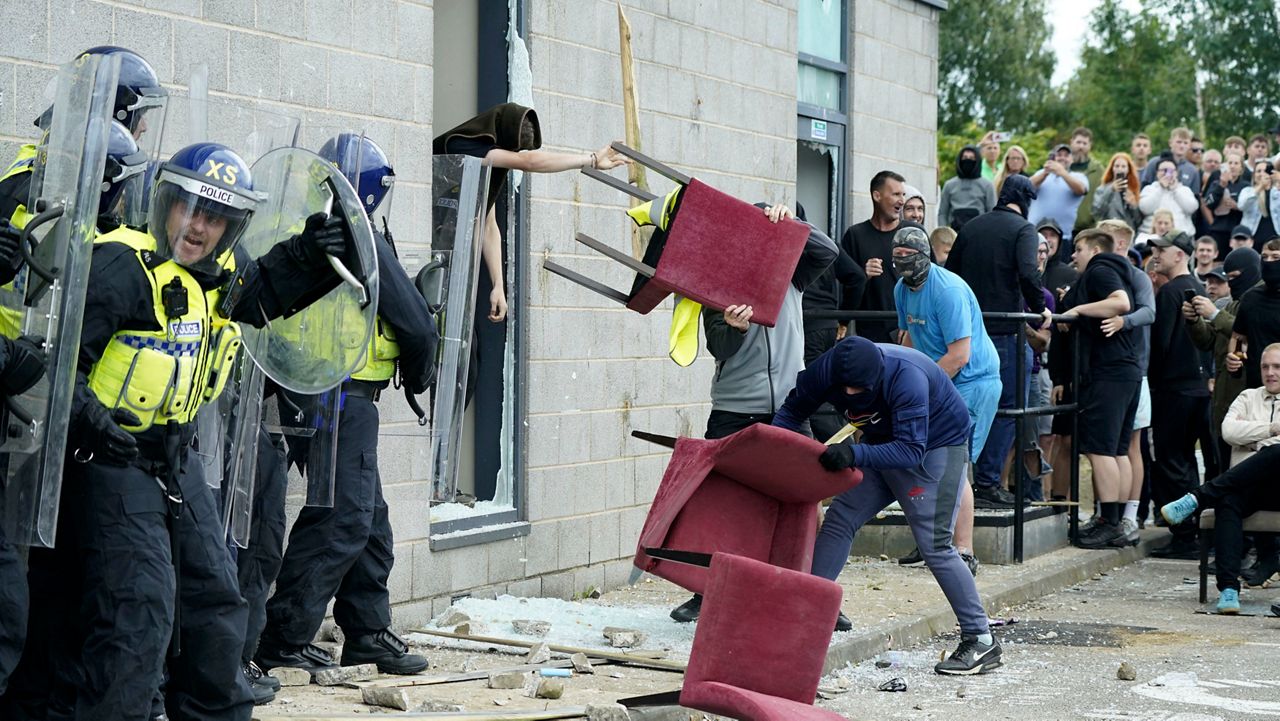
point(200, 205)
point(138, 90)
point(125, 175)
point(365, 166)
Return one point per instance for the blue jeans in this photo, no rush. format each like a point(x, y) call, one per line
point(986, 472)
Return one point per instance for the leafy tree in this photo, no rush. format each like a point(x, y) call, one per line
point(994, 64)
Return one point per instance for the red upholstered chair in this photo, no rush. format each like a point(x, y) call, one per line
point(753, 494)
point(718, 251)
point(761, 642)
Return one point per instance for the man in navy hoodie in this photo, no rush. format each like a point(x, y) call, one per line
point(913, 449)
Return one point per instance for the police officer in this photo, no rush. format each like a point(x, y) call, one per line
point(159, 337)
point(345, 552)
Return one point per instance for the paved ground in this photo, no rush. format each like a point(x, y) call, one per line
point(1062, 657)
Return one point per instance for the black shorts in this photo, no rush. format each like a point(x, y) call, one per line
point(1107, 409)
point(1062, 421)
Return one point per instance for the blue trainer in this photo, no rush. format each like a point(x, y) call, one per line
point(1179, 510)
point(1229, 602)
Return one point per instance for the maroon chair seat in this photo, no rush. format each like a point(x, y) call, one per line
point(753, 494)
point(761, 642)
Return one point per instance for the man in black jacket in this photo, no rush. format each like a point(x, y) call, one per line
point(995, 253)
point(1179, 388)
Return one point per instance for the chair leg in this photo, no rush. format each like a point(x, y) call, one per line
point(1204, 566)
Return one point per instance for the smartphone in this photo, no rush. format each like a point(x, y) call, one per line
point(1122, 176)
point(1001, 136)
point(1188, 294)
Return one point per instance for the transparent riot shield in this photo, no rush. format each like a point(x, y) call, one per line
point(459, 187)
point(317, 348)
point(310, 426)
point(241, 458)
point(58, 243)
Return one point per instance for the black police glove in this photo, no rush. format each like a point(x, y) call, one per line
point(23, 366)
point(323, 235)
point(101, 437)
point(10, 252)
point(837, 457)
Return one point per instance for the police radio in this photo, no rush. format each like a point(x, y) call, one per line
point(173, 296)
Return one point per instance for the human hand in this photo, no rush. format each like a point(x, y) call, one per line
point(1119, 184)
point(497, 305)
point(1055, 167)
point(607, 158)
point(100, 433)
point(842, 330)
point(738, 317)
point(1129, 197)
point(1061, 292)
point(324, 235)
point(837, 456)
point(875, 267)
point(23, 366)
point(10, 250)
point(1202, 306)
point(1112, 325)
point(1234, 362)
point(1055, 396)
point(778, 212)
point(1047, 315)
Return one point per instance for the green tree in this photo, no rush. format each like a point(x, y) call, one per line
point(994, 64)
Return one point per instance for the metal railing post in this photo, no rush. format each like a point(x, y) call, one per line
point(1020, 402)
point(1073, 523)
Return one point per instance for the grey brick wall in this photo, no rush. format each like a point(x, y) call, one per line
point(716, 81)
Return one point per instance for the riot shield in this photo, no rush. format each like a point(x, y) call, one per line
point(459, 187)
point(320, 346)
point(72, 163)
point(241, 466)
point(310, 426)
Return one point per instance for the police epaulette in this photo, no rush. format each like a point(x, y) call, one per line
point(150, 260)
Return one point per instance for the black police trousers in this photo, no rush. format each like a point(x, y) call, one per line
point(344, 552)
point(127, 601)
point(258, 565)
point(13, 609)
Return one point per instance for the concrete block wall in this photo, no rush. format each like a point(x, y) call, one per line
point(893, 109)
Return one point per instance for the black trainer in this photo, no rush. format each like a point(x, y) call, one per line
point(384, 648)
point(262, 693)
point(912, 560)
point(971, 657)
point(688, 611)
point(309, 658)
point(1100, 536)
point(843, 623)
point(992, 497)
point(256, 676)
point(1178, 549)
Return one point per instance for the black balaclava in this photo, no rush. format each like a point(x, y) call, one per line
point(1017, 189)
point(965, 168)
point(857, 363)
point(1271, 276)
point(1247, 261)
point(913, 269)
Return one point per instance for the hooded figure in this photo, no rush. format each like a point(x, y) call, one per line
point(967, 195)
point(507, 126)
point(1248, 262)
point(1017, 190)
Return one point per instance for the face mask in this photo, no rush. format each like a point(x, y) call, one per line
point(968, 167)
point(1271, 276)
point(913, 269)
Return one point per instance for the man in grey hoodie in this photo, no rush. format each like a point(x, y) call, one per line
point(967, 195)
point(756, 367)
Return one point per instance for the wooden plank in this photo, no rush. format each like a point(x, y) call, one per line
point(631, 122)
point(408, 681)
point(633, 659)
point(545, 715)
point(584, 281)
point(623, 258)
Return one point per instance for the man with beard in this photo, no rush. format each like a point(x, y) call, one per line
point(1085, 164)
point(1058, 193)
point(967, 195)
point(869, 245)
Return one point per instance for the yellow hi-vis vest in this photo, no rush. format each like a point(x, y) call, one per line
point(682, 342)
point(10, 313)
point(380, 358)
point(168, 374)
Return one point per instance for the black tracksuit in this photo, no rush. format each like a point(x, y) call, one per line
point(345, 552)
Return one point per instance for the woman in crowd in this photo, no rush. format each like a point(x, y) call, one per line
point(1015, 163)
point(1259, 201)
point(1117, 194)
point(1161, 223)
point(1169, 193)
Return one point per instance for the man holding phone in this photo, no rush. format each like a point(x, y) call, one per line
point(1178, 373)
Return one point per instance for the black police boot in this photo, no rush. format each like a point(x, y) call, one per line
point(310, 658)
point(688, 611)
point(384, 648)
point(843, 623)
point(256, 676)
point(262, 693)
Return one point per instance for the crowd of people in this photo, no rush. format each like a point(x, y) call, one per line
point(1165, 267)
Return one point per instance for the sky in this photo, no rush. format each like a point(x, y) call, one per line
point(1070, 20)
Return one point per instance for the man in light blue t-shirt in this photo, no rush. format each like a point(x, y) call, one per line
point(1059, 192)
point(942, 319)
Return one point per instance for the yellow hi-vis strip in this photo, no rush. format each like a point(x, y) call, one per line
point(682, 343)
point(844, 433)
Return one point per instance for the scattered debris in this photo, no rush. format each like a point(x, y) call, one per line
point(883, 664)
point(540, 653)
point(961, 692)
point(290, 676)
point(507, 680)
point(607, 712)
point(385, 697)
point(332, 632)
point(452, 617)
point(1127, 672)
point(346, 674)
point(552, 688)
point(623, 637)
point(462, 629)
point(581, 663)
point(436, 706)
point(530, 627)
point(893, 685)
point(548, 672)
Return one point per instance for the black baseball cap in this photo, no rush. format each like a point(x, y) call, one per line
point(1060, 146)
point(1051, 224)
point(1242, 231)
point(1176, 239)
point(1217, 272)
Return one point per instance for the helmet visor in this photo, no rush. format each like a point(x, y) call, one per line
point(196, 224)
